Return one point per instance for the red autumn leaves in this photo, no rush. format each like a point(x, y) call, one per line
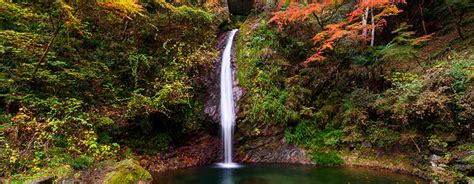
point(355, 26)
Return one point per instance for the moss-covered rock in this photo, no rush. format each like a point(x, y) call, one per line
point(47, 175)
point(128, 171)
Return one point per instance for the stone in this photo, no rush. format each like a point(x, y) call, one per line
point(443, 166)
point(437, 150)
point(45, 180)
point(466, 168)
point(451, 138)
point(128, 171)
point(366, 144)
point(469, 180)
point(469, 159)
point(435, 159)
point(465, 158)
point(270, 147)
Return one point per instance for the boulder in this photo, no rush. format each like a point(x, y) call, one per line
point(45, 180)
point(465, 168)
point(269, 147)
point(435, 160)
point(128, 171)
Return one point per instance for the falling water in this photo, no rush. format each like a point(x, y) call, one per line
point(227, 113)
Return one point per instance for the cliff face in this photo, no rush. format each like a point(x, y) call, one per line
point(211, 107)
point(269, 146)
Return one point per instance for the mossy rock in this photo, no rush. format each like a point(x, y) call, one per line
point(47, 175)
point(469, 159)
point(128, 171)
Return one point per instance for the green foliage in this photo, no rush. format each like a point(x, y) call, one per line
point(13, 15)
point(435, 141)
point(460, 71)
point(308, 134)
point(458, 3)
point(161, 143)
point(194, 14)
point(327, 159)
point(381, 136)
point(138, 61)
point(268, 100)
point(404, 46)
point(108, 60)
point(82, 162)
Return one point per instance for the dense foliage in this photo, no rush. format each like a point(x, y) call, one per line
point(83, 82)
point(410, 92)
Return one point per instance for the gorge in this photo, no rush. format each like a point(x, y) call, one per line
point(137, 91)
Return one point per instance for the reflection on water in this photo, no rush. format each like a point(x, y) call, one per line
point(281, 174)
point(227, 176)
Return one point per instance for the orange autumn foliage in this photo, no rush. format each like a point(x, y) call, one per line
point(350, 28)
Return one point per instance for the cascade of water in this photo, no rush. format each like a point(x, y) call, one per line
point(227, 113)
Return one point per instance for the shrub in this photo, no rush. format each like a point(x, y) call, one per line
point(82, 162)
point(327, 158)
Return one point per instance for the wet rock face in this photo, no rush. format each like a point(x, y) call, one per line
point(269, 147)
point(211, 107)
point(202, 151)
point(465, 162)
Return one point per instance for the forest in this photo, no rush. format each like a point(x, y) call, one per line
point(125, 91)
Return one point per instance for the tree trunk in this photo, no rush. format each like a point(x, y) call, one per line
point(364, 21)
point(420, 6)
point(458, 22)
point(372, 39)
point(365, 16)
point(42, 59)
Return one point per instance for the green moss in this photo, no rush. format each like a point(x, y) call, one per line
point(469, 159)
point(128, 171)
point(56, 173)
point(327, 159)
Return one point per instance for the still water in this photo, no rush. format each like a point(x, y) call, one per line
point(281, 174)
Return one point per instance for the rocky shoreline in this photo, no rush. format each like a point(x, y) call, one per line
point(206, 150)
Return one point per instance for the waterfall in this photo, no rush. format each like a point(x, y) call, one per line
point(227, 112)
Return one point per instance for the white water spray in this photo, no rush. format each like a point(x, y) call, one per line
point(227, 113)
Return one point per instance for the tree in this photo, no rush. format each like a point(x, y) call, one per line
point(355, 25)
point(65, 14)
point(457, 9)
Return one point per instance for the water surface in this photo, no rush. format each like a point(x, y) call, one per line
point(281, 174)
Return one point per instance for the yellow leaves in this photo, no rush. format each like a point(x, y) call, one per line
point(13, 159)
point(69, 19)
point(166, 5)
point(125, 8)
point(388, 10)
point(14, 155)
point(212, 3)
point(256, 132)
point(422, 39)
